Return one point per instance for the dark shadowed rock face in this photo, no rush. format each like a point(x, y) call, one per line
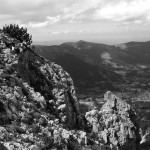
point(39, 109)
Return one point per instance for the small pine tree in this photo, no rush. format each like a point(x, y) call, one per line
point(17, 32)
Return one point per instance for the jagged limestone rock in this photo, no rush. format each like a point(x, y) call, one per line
point(116, 124)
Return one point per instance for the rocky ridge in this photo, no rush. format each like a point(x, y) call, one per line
point(39, 109)
point(116, 124)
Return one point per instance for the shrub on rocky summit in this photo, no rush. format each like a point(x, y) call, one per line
point(17, 32)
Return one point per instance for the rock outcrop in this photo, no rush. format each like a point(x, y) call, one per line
point(52, 87)
point(39, 109)
point(115, 124)
point(35, 96)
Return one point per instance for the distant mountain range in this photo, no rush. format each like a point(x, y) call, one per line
point(94, 62)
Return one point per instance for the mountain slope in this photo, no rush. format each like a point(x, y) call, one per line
point(101, 66)
point(82, 60)
point(93, 53)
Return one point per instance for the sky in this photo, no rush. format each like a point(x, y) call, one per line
point(104, 21)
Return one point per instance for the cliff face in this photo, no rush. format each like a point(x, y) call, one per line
point(39, 109)
point(33, 91)
point(24, 68)
point(55, 84)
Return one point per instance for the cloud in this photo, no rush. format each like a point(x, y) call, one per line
point(49, 20)
point(134, 10)
point(34, 12)
point(41, 13)
point(76, 17)
point(53, 20)
point(69, 32)
point(40, 24)
point(55, 32)
point(79, 9)
point(105, 56)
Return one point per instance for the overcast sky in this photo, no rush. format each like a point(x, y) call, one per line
point(105, 21)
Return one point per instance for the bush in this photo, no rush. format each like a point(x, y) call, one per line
point(17, 32)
